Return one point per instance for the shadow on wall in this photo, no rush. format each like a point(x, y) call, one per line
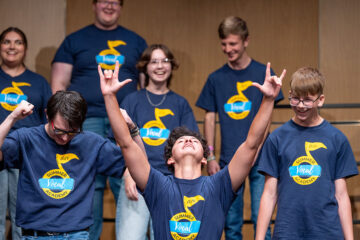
point(43, 61)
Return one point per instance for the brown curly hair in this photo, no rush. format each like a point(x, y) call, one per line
point(175, 134)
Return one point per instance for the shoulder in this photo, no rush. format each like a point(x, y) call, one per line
point(218, 72)
point(82, 31)
point(129, 32)
point(34, 76)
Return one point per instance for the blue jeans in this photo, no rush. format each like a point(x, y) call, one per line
point(234, 218)
point(8, 194)
point(132, 218)
point(78, 235)
point(100, 126)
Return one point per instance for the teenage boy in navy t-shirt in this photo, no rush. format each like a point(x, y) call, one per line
point(58, 163)
point(306, 162)
point(186, 204)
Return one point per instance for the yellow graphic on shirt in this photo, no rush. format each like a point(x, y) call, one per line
point(107, 58)
point(10, 97)
point(184, 226)
point(154, 132)
point(239, 106)
point(56, 183)
point(305, 170)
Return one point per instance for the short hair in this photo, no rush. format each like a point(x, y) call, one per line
point(233, 25)
point(175, 134)
point(146, 57)
point(307, 80)
point(121, 2)
point(70, 105)
point(18, 31)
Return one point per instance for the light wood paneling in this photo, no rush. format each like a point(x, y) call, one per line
point(43, 22)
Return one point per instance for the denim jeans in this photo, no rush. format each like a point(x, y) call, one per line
point(132, 218)
point(78, 235)
point(234, 218)
point(100, 126)
point(8, 194)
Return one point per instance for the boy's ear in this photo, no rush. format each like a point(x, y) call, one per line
point(203, 161)
point(170, 161)
point(321, 100)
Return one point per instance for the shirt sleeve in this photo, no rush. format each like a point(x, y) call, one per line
point(221, 181)
point(64, 53)
point(157, 183)
point(207, 98)
point(345, 161)
point(268, 162)
point(110, 161)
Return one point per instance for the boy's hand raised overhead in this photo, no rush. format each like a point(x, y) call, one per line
point(109, 81)
point(272, 84)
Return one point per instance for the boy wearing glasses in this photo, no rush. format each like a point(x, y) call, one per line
point(305, 163)
point(58, 163)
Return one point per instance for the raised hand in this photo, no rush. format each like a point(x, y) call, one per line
point(23, 110)
point(272, 84)
point(109, 81)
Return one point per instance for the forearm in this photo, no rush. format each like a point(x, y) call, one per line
point(134, 155)
point(209, 128)
point(267, 206)
point(344, 209)
point(260, 124)
point(60, 76)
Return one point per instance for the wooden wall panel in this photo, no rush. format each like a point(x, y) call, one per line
point(43, 22)
point(339, 57)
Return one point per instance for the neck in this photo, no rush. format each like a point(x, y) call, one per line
point(157, 88)
point(13, 70)
point(313, 122)
point(187, 169)
point(106, 28)
point(241, 63)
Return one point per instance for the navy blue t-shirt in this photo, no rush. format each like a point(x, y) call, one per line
point(156, 122)
point(90, 46)
point(56, 183)
point(307, 161)
point(229, 93)
point(28, 86)
point(192, 209)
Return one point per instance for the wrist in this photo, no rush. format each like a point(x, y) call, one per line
point(210, 158)
point(135, 131)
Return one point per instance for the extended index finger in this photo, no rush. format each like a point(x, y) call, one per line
point(268, 73)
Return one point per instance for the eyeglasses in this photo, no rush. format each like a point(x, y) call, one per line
point(308, 103)
point(157, 61)
point(61, 132)
point(107, 3)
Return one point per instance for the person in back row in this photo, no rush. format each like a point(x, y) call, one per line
point(17, 83)
point(186, 204)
